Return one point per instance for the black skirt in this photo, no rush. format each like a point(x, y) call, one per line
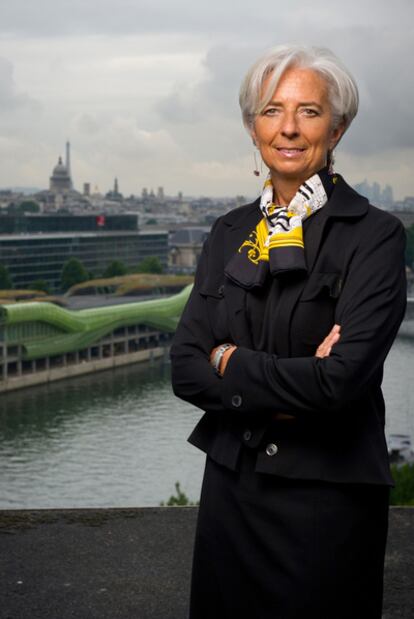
point(268, 547)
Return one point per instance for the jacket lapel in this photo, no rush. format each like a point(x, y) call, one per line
point(344, 203)
point(235, 295)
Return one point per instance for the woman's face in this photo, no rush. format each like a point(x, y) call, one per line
point(294, 131)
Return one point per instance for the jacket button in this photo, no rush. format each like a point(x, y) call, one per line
point(236, 401)
point(221, 290)
point(271, 449)
point(247, 435)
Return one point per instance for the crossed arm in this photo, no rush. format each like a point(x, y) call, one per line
point(323, 350)
point(370, 309)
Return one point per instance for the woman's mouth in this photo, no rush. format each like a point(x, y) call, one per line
point(291, 153)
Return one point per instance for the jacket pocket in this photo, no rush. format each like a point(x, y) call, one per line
point(215, 291)
point(322, 284)
point(314, 315)
point(217, 310)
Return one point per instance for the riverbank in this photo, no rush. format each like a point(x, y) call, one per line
point(43, 342)
point(71, 366)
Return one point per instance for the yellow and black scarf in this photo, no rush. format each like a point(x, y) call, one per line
point(276, 244)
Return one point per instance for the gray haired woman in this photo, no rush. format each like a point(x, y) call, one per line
point(296, 302)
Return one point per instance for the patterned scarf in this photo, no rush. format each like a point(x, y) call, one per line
point(276, 244)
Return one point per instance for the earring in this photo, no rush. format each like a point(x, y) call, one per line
point(331, 161)
point(256, 171)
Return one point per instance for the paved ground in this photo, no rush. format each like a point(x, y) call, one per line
point(134, 564)
point(103, 564)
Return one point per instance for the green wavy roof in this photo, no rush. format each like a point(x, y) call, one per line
point(44, 329)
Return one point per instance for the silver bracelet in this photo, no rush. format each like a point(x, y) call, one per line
point(218, 356)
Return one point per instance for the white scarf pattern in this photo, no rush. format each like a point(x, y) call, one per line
point(277, 241)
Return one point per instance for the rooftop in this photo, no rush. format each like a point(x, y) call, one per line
point(135, 563)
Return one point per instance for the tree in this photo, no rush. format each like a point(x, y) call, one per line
point(403, 493)
point(26, 206)
point(409, 252)
point(73, 272)
point(40, 284)
point(115, 269)
point(5, 279)
point(29, 206)
point(179, 499)
point(150, 264)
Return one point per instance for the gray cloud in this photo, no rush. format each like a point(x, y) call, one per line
point(56, 17)
point(379, 60)
point(385, 120)
point(148, 90)
point(10, 98)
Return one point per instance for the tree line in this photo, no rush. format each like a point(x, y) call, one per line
point(74, 272)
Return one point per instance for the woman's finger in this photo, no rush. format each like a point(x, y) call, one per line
point(324, 349)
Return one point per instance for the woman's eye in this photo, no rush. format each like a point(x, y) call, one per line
point(271, 111)
point(308, 111)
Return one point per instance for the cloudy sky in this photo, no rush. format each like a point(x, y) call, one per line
point(147, 90)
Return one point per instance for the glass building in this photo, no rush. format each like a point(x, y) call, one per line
point(36, 247)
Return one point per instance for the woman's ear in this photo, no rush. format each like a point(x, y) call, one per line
point(337, 134)
point(253, 136)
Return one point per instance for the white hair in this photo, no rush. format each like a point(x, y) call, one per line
point(342, 89)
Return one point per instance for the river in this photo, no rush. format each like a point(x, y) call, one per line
point(118, 438)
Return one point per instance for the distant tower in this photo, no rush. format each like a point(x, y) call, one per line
point(113, 194)
point(68, 163)
point(160, 194)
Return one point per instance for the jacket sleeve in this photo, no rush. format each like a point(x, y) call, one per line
point(193, 378)
point(370, 310)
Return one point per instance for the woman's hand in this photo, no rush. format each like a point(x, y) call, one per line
point(225, 358)
point(324, 349)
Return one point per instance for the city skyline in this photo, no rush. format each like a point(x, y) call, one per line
point(375, 187)
point(148, 92)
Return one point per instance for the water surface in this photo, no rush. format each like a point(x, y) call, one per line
point(118, 438)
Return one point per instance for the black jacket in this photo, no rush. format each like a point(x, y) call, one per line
point(356, 278)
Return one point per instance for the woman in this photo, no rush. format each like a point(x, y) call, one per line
point(296, 302)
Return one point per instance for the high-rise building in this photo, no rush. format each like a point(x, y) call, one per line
point(37, 246)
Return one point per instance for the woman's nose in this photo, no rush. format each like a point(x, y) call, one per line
point(289, 126)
